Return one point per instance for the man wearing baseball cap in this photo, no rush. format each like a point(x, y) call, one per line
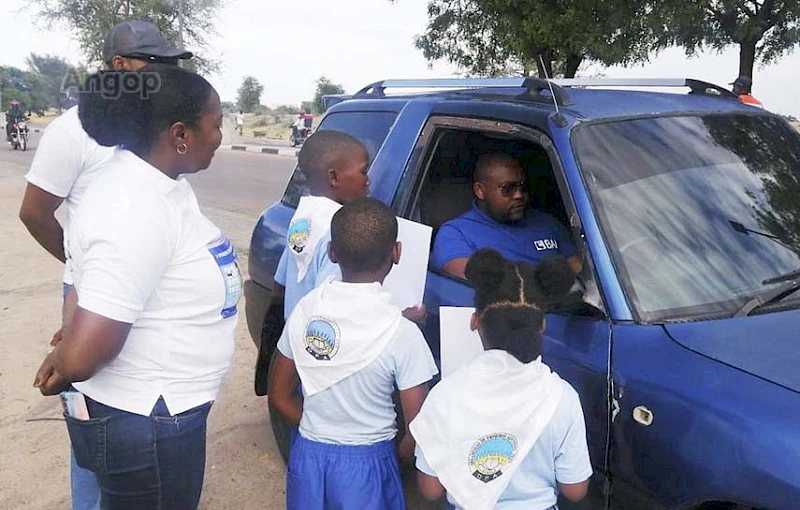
point(741, 87)
point(131, 45)
point(66, 161)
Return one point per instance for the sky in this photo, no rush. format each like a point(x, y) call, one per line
point(288, 45)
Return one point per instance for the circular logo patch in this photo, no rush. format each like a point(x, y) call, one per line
point(299, 232)
point(322, 338)
point(490, 454)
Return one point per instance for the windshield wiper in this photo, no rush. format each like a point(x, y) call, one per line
point(771, 296)
point(792, 275)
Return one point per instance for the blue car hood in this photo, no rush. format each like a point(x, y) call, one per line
point(767, 346)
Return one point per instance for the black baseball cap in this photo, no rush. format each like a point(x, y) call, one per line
point(139, 39)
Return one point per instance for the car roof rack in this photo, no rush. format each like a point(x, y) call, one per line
point(696, 86)
point(534, 87)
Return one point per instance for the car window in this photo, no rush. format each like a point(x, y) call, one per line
point(370, 128)
point(697, 211)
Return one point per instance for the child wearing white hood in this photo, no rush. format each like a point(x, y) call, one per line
point(350, 348)
point(335, 166)
point(505, 432)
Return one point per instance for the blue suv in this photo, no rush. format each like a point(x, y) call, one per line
point(684, 343)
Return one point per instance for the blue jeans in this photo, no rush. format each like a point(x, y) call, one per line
point(143, 462)
point(83, 483)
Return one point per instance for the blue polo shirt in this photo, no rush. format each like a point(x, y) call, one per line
point(529, 240)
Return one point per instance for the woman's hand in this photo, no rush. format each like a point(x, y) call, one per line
point(48, 380)
point(57, 337)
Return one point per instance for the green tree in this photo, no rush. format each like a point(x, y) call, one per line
point(307, 106)
point(553, 37)
point(249, 97)
point(25, 87)
point(51, 72)
point(92, 19)
point(764, 30)
point(325, 87)
point(287, 109)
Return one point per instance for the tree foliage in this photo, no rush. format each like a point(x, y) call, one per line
point(51, 72)
point(92, 19)
point(497, 37)
point(764, 30)
point(325, 87)
point(26, 87)
point(249, 97)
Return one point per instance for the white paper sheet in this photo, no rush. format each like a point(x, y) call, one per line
point(459, 344)
point(406, 282)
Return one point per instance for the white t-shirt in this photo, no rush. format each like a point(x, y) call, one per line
point(359, 410)
point(239, 119)
point(559, 455)
point(144, 254)
point(66, 161)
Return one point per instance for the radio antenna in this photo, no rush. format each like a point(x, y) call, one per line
point(558, 118)
point(552, 93)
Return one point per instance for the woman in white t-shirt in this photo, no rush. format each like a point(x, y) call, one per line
point(505, 432)
point(152, 315)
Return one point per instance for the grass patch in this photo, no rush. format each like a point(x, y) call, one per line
point(271, 127)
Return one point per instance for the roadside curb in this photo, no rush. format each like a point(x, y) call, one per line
point(262, 150)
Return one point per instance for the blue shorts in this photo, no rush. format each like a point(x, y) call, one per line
point(342, 477)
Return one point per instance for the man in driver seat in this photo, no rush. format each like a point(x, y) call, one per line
point(501, 219)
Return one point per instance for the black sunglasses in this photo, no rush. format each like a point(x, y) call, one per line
point(173, 61)
point(509, 189)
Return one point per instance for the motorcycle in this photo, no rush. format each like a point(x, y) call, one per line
point(19, 135)
point(299, 136)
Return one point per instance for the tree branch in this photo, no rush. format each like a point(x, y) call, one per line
point(746, 9)
point(727, 21)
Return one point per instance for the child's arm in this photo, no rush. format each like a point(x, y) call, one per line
point(430, 487)
point(411, 400)
point(417, 314)
point(414, 368)
point(574, 491)
point(572, 463)
point(283, 381)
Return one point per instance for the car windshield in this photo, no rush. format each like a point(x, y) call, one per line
point(697, 211)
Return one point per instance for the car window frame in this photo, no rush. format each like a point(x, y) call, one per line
point(406, 200)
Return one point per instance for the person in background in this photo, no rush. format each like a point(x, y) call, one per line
point(742, 87)
point(505, 432)
point(240, 122)
point(299, 124)
point(66, 161)
point(350, 348)
point(13, 115)
point(149, 328)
